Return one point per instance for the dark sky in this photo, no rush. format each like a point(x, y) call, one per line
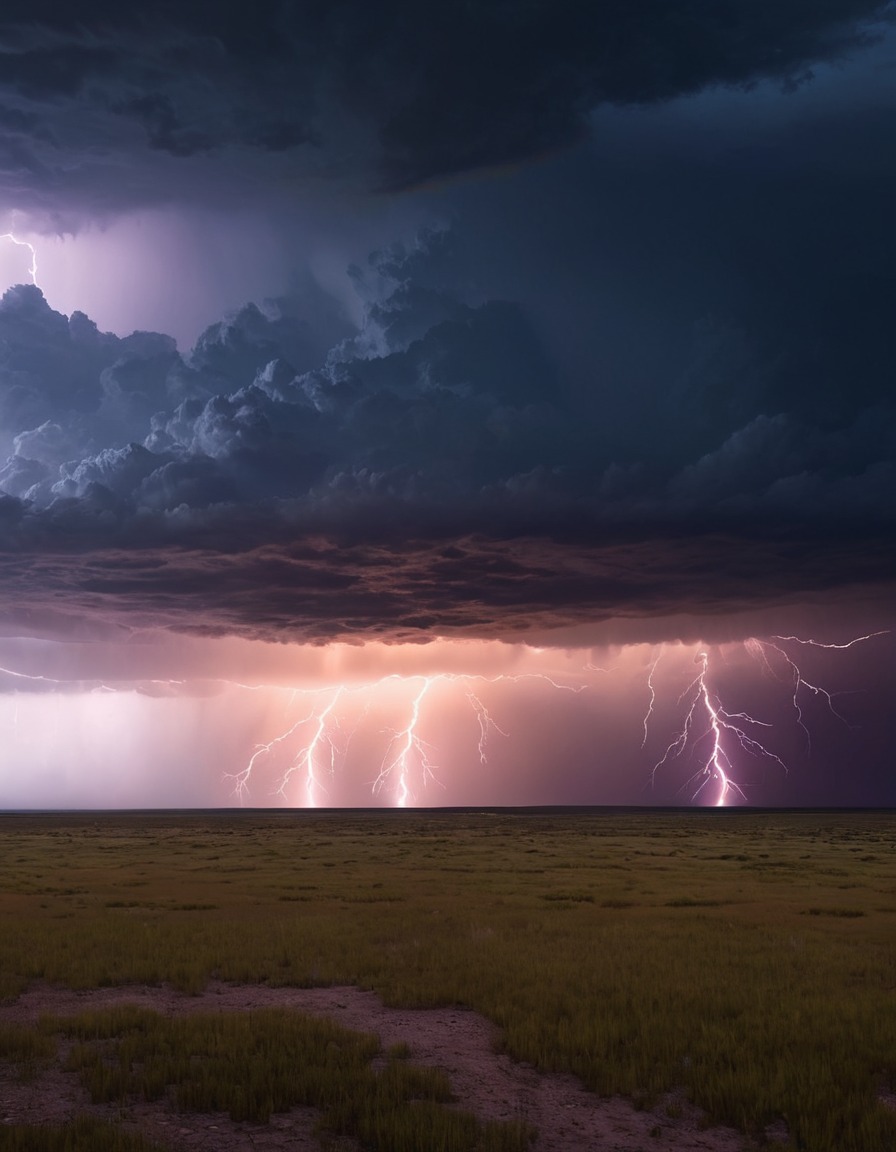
point(557, 321)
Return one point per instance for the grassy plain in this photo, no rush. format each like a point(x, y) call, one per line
point(746, 958)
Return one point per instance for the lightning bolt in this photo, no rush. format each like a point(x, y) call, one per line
point(307, 757)
point(797, 679)
point(835, 647)
point(715, 763)
point(407, 745)
point(34, 678)
point(707, 739)
point(486, 725)
point(759, 648)
point(652, 701)
point(408, 753)
point(317, 723)
point(241, 779)
point(27, 676)
point(32, 270)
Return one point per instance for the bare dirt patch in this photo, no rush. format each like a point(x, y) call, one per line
point(491, 1085)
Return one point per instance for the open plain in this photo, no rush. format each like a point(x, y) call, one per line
point(553, 980)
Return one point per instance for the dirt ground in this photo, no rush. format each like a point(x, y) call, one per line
point(494, 1087)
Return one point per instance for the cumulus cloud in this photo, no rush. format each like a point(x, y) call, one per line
point(427, 473)
point(389, 94)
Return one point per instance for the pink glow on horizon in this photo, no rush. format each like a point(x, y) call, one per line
point(384, 725)
point(451, 723)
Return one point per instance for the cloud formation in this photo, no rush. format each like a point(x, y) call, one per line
point(426, 474)
point(110, 108)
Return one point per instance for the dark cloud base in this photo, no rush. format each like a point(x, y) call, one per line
point(317, 590)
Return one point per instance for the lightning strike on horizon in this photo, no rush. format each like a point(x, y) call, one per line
point(32, 269)
point(717, 764)
point(242, 778)
point(409, 744)
point(318, 754)
point(406, 748)
point(707, 733)
point(307, 757)
point(486, 724)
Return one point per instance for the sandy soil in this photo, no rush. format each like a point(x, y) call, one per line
point(568, 1118)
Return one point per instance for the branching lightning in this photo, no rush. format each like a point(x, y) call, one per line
point(397, 722)
point(486, 725)
point(832, 647)
point(408, 755)
point(321, 743)
point(241, 779)
point(403, 746)
point(710, 734)
point(715, 763)
point(32, 269)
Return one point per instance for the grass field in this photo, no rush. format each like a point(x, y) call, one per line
point(748, 958)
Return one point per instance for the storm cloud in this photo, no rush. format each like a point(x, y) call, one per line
point(427, 474)
point(637, 362)
point(107, 108)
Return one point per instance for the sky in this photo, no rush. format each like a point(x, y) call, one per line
point(478, 404)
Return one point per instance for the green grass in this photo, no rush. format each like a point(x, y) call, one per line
point(27, 1050)
point(81, 1135)
point(747, 958)
point(254, 1064)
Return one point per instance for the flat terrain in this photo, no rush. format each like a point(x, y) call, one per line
point(703, 980)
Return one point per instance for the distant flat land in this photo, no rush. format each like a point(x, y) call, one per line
point(745, 960)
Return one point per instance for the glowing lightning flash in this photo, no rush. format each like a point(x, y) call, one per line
point(32, 269)
point(242, 778)
point(709, 733)
point(716, 764)
point(833, 647)
point(408, 743)
point(652, 689)
point(486, 724)
point(321, 744)
point(720, 726)
point(798, 680)
point(307, 757)
point(708, 737)
point(407, 752)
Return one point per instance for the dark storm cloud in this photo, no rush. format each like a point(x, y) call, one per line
point(426, 474)
point(345, 586)
point(392, 94)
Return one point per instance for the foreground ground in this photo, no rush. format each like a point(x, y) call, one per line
point(563, 1115)
point(583, 980)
